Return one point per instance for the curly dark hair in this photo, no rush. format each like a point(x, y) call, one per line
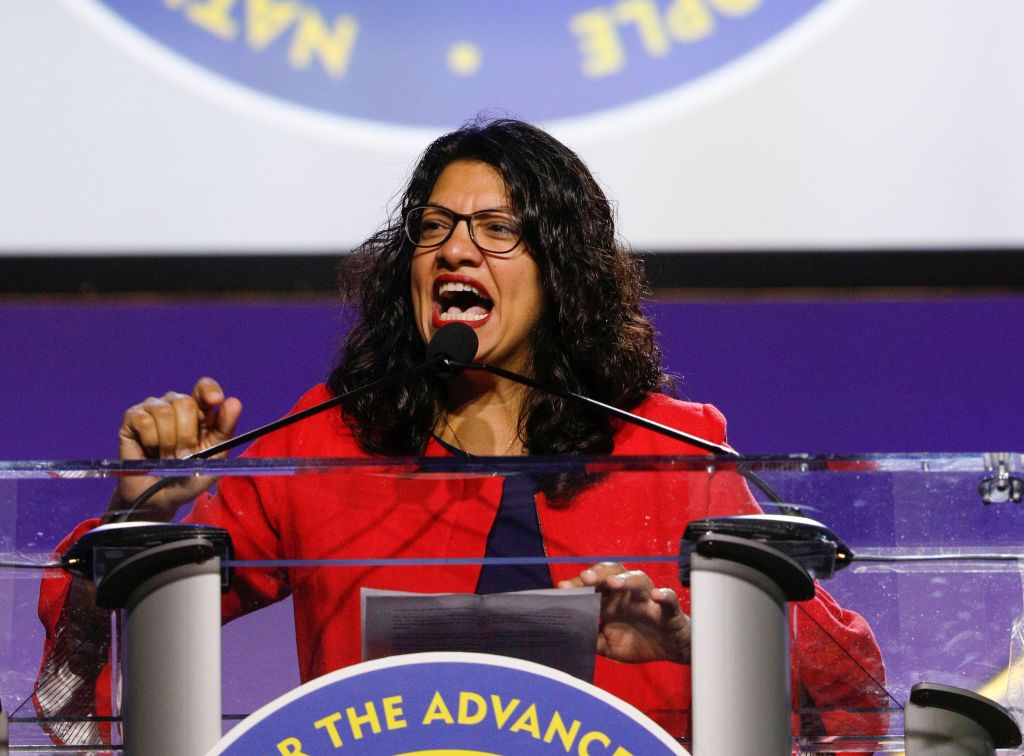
point(591, 337)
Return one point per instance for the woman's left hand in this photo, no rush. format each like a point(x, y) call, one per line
point(639, 623)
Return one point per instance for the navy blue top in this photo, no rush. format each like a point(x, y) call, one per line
point(515, 533)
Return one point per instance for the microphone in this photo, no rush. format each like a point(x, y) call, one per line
point(447, 350)
point(452, 346)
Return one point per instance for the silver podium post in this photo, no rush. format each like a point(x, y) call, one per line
point(940, 720)
point(739, 596)
point(5, 734)
point(167, 580)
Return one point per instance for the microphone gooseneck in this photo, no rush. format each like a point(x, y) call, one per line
point(629, 417)
point(643, 422)
point(454, 347)
point(455, 343)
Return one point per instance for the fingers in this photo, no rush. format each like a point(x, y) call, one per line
point(186, 423)
point(207, 393)
point(219, 414)
point(620, 584)
point(176, 425)
point(612, 576)
point(594, 576)
point(149, 430)
point(137, 433)
point(636, 582)
point(668, 600)
point(226, 418)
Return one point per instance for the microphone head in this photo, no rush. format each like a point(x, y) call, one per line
point(455, 342)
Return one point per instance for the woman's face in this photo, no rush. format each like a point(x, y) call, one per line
point(500, 296)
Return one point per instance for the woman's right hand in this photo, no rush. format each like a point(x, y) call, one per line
point(173, 426)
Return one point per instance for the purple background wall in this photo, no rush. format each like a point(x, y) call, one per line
point(828, 375)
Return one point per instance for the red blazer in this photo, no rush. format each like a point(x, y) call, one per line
point(358, 515)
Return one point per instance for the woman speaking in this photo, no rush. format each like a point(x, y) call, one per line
point(504, 229)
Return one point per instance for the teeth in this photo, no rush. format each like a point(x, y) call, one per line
point(451, 312)
point(452, 286)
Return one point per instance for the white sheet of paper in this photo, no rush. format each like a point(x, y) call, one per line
point(554, 627)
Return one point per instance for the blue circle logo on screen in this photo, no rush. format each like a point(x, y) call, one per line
point(451, 704)
point(426, 64)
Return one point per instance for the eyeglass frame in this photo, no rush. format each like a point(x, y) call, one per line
point(458, 218)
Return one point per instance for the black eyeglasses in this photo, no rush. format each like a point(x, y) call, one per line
point(494, 231)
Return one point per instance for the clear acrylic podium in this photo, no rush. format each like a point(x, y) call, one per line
point(937, 540)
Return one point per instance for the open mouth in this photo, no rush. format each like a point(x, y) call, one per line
point(458, 301)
